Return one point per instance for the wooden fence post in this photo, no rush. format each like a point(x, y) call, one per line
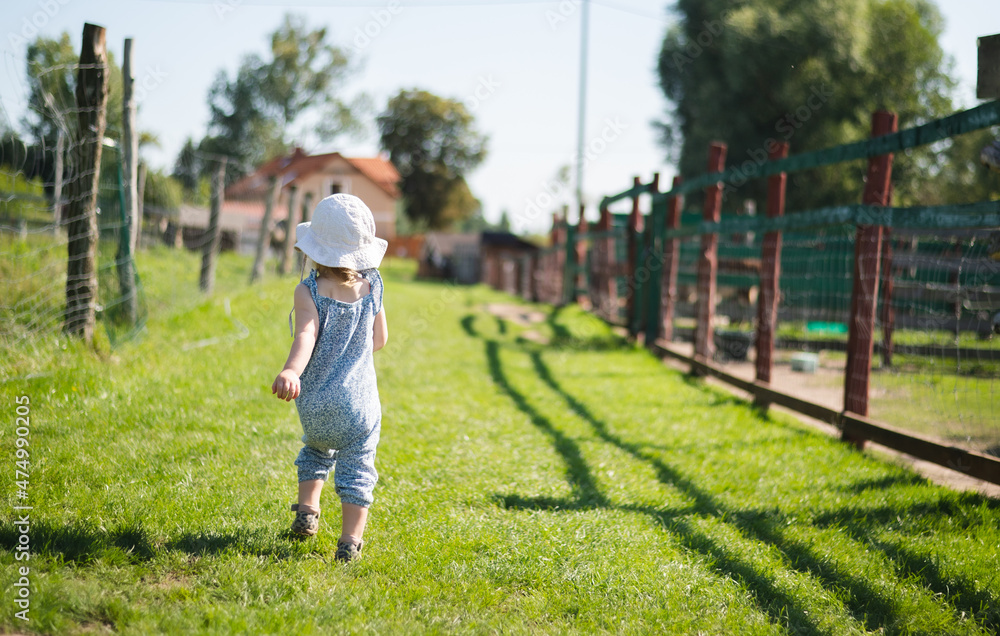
point(140, 188)
point(770, 270)
point(130, 148)
point(607, 278)
point(533, 273)
point(556, 283)
point(294, 207)
point(864, 291)
point(130, 177)
point(307, 207)
point(581, 278)
point(708, 261)
point(304, 215)
point(888, 314)
point(569, 265)
point(654, 264)
point(91, 100)
point(210, 247)
point(264, 235)
point(671, 262)
point(57, 188)
point(634, 227)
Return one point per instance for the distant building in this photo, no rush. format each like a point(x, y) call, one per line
point(373, 179)
point(493, 258)
point(450, 256)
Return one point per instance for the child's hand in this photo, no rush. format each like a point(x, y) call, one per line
point(286, 386)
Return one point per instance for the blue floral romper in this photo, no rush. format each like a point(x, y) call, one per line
point(338, 404)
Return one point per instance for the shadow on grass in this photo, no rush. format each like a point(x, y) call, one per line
point(85, 543)
point(863, 525)
point(872, 607)
point(563, 338)
point(263, 543)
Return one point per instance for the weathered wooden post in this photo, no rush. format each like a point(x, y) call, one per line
point(294, 207)
point(708, 260)
point(130, 148)
point(654, 264)
point(770, 270)
point(864, 291)
point(130, 175)
point(264, 236)
point(671, 262)
point(91, 100)
point(57, 188)
point(632, 234)
point(210, 247)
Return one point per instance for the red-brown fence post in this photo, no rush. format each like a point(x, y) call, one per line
point(581, 278)
point(888, 316)
point(608, 280)
point(671, 261)
point(770, 270)
point(654, 265)
point(558, 260)
point(634, 227)
point(708, 261)
point(864, 292)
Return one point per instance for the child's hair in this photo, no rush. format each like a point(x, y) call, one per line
point(343, 275)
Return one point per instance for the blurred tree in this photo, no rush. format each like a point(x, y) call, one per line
point(162, 191)
point(253, 115)
point(51, 74)
point(962, 178)
point(51, 69)
point(432, 142)
point(504, 223)
point(809, 72)
point(187, 167)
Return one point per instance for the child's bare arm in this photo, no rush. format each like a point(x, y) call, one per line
point(286, 386)
point(380, 333)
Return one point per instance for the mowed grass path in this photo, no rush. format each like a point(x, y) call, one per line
point(576, 487)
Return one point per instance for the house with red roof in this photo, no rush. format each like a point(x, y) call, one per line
point(305, 178)
point(310, 178)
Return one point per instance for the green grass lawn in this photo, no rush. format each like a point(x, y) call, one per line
point(576, 487)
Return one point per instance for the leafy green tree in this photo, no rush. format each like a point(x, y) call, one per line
point(433, 143)
point(253, 115)
point(809, 72)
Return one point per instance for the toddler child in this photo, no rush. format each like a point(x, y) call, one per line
point(339, 323)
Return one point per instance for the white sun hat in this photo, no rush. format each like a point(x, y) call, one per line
point(341, 234)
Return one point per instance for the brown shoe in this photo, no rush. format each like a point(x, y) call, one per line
point(348, 551)
point(306, 524)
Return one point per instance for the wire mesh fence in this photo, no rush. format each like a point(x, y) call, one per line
point(878, 311)
point(42, 184)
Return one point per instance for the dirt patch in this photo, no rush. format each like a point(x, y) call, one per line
point(517, 314)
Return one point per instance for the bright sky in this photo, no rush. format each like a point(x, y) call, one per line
point(521, 56)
